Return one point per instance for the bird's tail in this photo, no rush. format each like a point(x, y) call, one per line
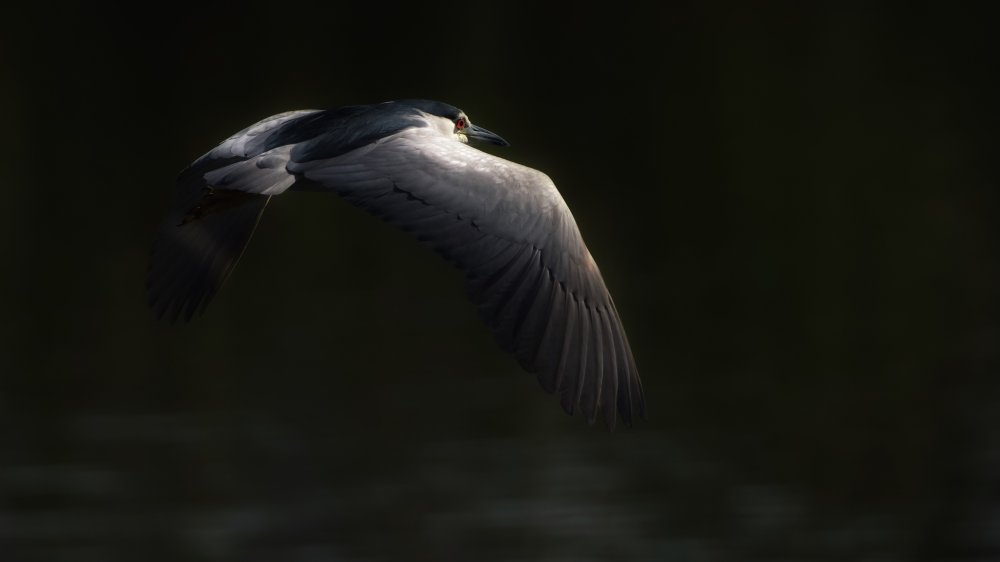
point(198, 245)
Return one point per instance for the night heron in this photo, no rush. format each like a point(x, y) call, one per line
point(504, 225)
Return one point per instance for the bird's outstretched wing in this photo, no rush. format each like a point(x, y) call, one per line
point(503, 224)
point(207, 228)
point(528, 269)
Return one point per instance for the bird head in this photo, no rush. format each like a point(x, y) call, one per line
point(452, 120)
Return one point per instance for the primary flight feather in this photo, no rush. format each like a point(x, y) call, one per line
point(503, 224)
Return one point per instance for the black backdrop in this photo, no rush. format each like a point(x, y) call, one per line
point(794, 205)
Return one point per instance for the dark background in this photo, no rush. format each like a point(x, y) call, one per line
point(795, 207)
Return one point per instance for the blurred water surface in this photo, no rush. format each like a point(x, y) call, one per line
point(248, 486)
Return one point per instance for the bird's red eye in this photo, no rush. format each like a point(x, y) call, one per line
point(460, 123)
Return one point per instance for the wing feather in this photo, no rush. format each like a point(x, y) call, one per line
point(513, 309)
point(549, 355)
point(609, 390)
point(534, 322)
point(527, 267)
point(580, 352)
point(590, 391)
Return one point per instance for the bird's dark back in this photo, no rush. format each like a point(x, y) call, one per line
point(330, 133)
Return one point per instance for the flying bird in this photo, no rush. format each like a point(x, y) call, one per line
point(409, 162)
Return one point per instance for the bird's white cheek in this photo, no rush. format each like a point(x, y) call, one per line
point(462, 137)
